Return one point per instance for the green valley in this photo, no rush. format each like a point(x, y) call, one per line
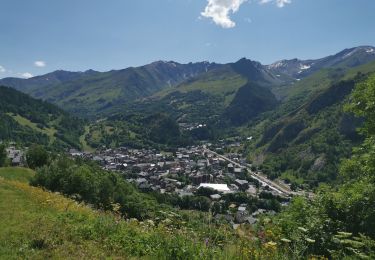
point(187, 130)
point(191, 161)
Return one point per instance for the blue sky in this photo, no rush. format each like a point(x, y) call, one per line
point(40, 36)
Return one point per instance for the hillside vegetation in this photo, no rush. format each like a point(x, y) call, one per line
point(36, 224)
point(348, 207)
point(39, 224)
point(136, 130)
point(26, 120)
point(304, 141)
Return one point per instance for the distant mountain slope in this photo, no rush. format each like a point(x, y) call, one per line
point(304, 141)
point(226, 96)
point(230, 77)
point(213, 96)
point(90, 92)
point(250, 101)
point(235, 92)
point(347, 58)
point(38, 83)
point(26, 120)
point(99, 94)
point(255, 72)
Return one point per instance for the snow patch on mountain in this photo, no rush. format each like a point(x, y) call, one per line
point(358, 49)
point(305, 67)
point(276, 65)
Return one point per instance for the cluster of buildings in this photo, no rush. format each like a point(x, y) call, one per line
point(182, 173)
point(16, 156)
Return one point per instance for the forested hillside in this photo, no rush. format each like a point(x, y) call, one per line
point(306, 138)
point(157, 130)
point(26, 120)
point(339, 221)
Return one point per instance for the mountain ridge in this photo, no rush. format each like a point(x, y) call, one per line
point(95, 94)
point(91, 91)
point(298, 68)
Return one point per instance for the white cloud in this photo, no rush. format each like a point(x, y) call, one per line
point(2, 69)
point(282, 3)
point(279, 3)
point(26, 75)
point(40, 63)
point(219, 11)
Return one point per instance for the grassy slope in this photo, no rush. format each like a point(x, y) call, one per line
point(365, 69)
point(317, 82)
point(36, 224)
point(82, 139)
point(31, 224)
point(222, 82)
point(17, 174)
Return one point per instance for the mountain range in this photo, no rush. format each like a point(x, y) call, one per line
point(347, 58)
point(93, 93)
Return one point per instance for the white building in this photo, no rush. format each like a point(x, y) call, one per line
point(218, 187)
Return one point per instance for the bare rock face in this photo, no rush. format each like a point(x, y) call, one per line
point(319, 163)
